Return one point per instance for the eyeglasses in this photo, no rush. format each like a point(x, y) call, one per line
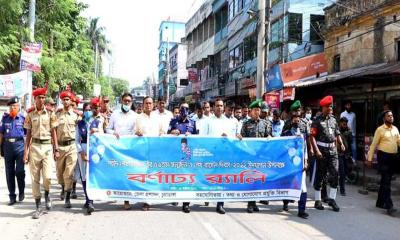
point(126, 101)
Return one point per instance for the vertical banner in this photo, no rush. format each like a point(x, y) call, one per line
point(30, 57)
point(165, 169)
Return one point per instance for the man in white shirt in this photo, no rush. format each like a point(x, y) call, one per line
point(122, 122)
point(234, 123)
point(218, 125)
point(164, 115)
point(351, 117)
point(200, 119)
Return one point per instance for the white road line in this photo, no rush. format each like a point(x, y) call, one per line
point(211, 230)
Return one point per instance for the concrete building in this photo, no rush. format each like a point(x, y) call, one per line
point(178, 72)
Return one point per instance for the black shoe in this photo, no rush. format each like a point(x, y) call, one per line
point(186, 209)
point(47, 200)
point(12, 202)
point(206, 204)
point(36, 214)
point(303, 215)
point(334, 206)
point(74, 195)
point(174, 204)
point(264, 202)
point(255, 208)
point(250, 208)
point(21, 197)
point(318, 205)
point(391, 211)
point(90, 207)
point(325, 200)
point(221, 209)
point(67, 200)
point(62, 193)
point(285, 207)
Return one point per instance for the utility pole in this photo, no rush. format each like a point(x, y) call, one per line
point(262, 47)
point(167, 70)
point(32, 19)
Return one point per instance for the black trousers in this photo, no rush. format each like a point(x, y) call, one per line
point(342, 172)
point(15, 167)
point(327, 168)
point(386, 165)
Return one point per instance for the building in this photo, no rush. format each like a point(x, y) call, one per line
point(138, 95)
point(178, 72)
point(171, 33)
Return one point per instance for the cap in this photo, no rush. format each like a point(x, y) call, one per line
point(39, 91)
point(65, 94)
point(95, 101)
point(13, 100)
point(255, 104)
point(326, 101)
point(49, 101)
point(295, 106)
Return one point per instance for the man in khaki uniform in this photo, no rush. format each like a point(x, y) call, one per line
point(41, 132)
point(66, 131)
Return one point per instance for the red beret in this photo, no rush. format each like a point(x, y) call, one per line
point(95, 101)
point(39, 91)
point(326, 101)
point(65, 94)
point(77, 100)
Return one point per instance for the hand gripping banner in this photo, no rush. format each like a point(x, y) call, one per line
point(175, 169)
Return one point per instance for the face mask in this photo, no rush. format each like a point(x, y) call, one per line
point(13, 113)
point(308, 116)
point(125, 108)
point(87, 114)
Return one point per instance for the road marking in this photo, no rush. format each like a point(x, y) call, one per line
point(212, 231)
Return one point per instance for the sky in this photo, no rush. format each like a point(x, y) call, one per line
point(132, 28)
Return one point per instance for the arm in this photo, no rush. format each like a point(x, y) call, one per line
point(374, 144)
point(27, 145)
point(55, 142)
point(110, 125)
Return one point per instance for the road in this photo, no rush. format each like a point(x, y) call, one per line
point(358, 219)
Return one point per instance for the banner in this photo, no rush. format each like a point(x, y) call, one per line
point(273, 100)
point(30, 57)
point(175, 169)
point(17, 84)
point(273, 79)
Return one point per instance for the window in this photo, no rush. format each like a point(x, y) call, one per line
point(206, 35)
point(236, 56)
point(316, 22)
point(336, 63)
point(211, 27)
point(296, 28)
point(250, 47)
point(200, 36)
point(232, 59)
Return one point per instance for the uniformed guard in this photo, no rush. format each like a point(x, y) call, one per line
point(65, 164)
point(40, 124)
point(12, 141)
point(186, 126)
point(256, 127)
point(325, 136)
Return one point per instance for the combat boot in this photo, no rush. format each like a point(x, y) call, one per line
point(67, 200)
point(334, 206)
point(318, 205)
point(62, 193)
point(73, 193)
point(47, 200)
point(90, 207)
point(36, 214)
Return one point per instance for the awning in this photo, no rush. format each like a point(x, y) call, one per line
point(362, 72)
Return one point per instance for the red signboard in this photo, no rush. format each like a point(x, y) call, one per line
point(192, 75)
point(287, 94)
point(304, 68)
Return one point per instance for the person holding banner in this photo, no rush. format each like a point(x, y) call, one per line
point(183, 125)
point(255, 127)
point(12, 146)
point(41, 125)
point(325, 136)
point(296, 131)
point(218, 125)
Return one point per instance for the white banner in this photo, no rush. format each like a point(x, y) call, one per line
point(17, 84)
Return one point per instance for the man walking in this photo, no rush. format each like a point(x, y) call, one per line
point(41, 125)
point(163, 114)
point(386, 141)
point(325, 136)
point(12, 144)
point(351, 118)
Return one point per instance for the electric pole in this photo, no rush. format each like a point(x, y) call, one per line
point(32, 19)
point(262, 47)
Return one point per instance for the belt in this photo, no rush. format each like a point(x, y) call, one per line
point(327, 145)
point(11, 140)
point(66, 143)
point(40, 141)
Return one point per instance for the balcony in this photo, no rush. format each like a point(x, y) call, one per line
point(201, 52)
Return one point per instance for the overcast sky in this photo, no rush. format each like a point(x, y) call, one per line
point(132, 27)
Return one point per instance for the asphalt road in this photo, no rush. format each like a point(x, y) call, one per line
point(358, 219)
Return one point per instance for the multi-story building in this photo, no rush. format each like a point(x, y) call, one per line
point(171, 33)
point(178, 73)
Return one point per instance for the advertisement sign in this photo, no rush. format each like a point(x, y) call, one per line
point(30, 57)
point(273, 80)
point(17, 84)
point(175, 169)
point(273, 100)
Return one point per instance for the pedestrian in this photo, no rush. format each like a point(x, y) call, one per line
point(255, 127)
point(200, 119)
point(235, 125)
point(207, 112)
point(351, 118)
point(66, 162)
point(50, 104)
point(219, 125)
point(139, 108)
point(12, 147)
point(175, 112)
point(325, 136)
point(264, 111)
point(122, 123)
point(163, 114)
point(344, 157)
point(308, 115)
point(277, 123)
point(183, 125)
point(41, 144)
point(386, 141)
point(380, 117)
point(245, 113)
point(105, 109)
point(297, 131)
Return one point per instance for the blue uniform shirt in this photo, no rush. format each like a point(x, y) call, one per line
point(83, 128)
point(12, 128)
point(183, 126)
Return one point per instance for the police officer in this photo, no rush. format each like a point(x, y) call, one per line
point(12, 141)
point(40, 124)
point(183, 125)
point(256, 127)
point(66, 163)
point(325, 136)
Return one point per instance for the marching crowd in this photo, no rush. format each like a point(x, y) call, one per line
point(45, 134)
